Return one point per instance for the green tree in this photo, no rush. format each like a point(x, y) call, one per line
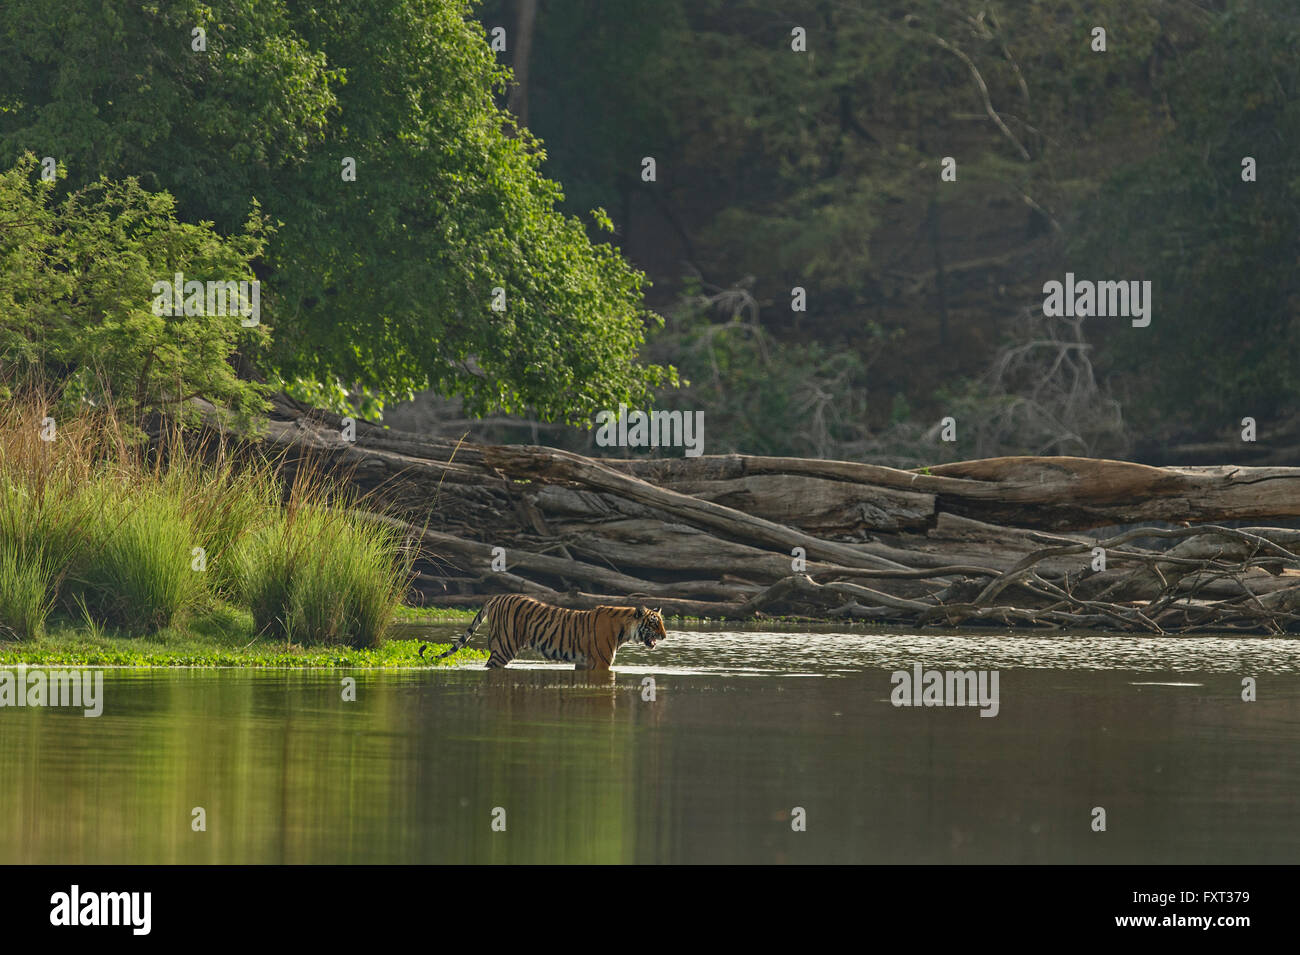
point(77, 280)
point(385, 283)
point(821, 169)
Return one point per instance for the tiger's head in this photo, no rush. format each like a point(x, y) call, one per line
point(649, 626)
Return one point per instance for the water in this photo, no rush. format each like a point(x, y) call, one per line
point(745, 727)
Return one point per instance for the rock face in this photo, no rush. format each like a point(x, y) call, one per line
point(999, 540)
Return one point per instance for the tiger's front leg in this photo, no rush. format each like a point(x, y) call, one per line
point(594, 662)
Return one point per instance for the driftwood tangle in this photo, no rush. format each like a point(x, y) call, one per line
point(1006, 541)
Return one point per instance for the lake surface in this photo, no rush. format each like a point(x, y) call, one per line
point(744, 730)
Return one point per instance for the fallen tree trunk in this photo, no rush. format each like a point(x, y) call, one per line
point(1000, 541)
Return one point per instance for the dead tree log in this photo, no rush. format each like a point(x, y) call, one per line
point(1004, 541)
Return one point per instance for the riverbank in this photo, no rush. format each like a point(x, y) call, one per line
point(223, 636)
point(104, 531)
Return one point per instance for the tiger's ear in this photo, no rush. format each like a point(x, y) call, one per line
point(641, 612)
point(659, 611)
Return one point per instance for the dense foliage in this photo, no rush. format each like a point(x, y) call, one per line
point(780, 166)
point(383, 284)
point(1222, 252)
point(77, 278)
point(821, 169)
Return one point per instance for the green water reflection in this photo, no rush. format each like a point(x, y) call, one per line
point(588, 771)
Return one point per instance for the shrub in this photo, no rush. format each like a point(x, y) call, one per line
point(136, 572)
point(105, 530)
point(322, 575)
point(26, 590)
point(223, 500)
point(78, 297)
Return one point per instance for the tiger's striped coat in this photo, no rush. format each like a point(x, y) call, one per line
point(586, 638)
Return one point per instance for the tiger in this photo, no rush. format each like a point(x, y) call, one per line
point(586, 638)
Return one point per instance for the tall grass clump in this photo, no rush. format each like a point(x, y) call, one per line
point(136, 571)
point(26, 591)
point(86, 523)
point(116, 531)
point(41, 524)
point(223, 501)
point(323, 573)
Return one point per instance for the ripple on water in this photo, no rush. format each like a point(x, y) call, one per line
point(758, 653)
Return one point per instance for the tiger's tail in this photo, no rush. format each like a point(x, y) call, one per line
point(463, 639)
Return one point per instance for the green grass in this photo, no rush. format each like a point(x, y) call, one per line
point(134, 572)
point(26, 597)
point(320, 575)
point(436, 614)
point(135, 539)
point(219, 636)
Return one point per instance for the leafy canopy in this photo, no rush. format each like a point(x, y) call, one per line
point(384, 284)
point(76, 293)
